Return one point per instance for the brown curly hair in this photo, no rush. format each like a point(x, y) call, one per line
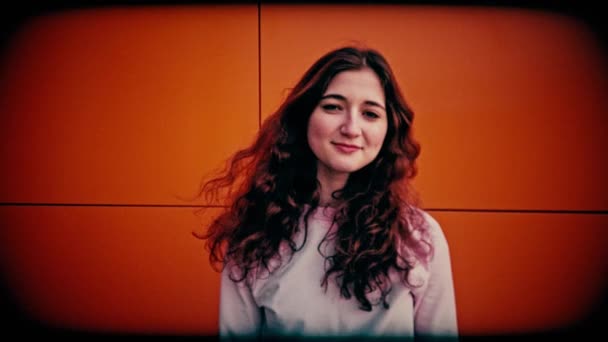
point(272, 183)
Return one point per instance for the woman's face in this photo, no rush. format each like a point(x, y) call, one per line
point(347, 128)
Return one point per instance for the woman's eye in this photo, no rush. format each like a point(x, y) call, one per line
point(371, 115)
point(330, 107)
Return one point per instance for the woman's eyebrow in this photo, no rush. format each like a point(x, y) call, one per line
point(334, 96)
point(376, 104)
point(342, 98)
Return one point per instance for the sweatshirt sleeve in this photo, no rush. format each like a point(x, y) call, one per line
point(240, 317)
point(435, 304)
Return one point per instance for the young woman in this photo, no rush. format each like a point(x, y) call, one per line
point(323, 236)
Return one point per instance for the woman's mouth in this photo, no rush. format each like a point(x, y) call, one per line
point(346, 148)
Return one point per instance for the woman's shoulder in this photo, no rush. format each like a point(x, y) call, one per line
point(440, 249)
point(425, 234)
point(421, 219)
point(435, 229)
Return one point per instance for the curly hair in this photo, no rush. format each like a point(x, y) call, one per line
point(272, 183)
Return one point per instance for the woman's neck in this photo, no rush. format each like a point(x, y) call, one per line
point(330, 182)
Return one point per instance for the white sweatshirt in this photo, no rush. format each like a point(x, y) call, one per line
point(290, 301)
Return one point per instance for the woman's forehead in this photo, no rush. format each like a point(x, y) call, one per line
point(362, 84)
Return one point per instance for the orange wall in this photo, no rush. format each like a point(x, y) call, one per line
point(110, 117)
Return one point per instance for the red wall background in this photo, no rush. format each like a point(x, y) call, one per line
point(111, 116)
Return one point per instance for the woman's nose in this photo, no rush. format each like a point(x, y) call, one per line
point(350, 127)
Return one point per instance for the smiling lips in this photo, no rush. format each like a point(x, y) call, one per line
point(346, 148)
